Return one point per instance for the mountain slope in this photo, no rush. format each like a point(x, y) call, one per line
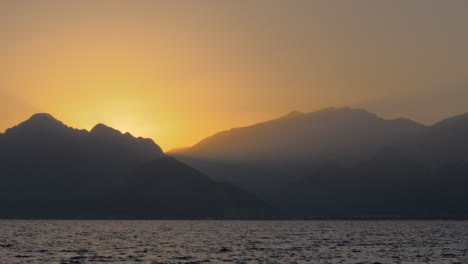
point(330, 133)
point(44, 137)
point(49, 170)
point(344, 163)
point(264, 156)
point(170, 188)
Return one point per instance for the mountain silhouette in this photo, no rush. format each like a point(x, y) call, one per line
point(342, 162)
point(333, 163)
point(329, 133)
point(441, 143)
point(50, 170)
point(175, 189)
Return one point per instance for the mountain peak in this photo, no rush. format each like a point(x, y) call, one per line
point(293, 114)
point(39, 122)
point(106, 130)
point(43, 119)
point(349, 112)
point(43, 116)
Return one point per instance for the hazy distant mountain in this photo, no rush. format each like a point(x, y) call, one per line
point(342, 134)
point(444, 142)
point(344, 163)
point(326, 134)
point(49, 170)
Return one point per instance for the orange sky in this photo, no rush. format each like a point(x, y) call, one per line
point(178, 71)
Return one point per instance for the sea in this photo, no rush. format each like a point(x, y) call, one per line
point(213, 241)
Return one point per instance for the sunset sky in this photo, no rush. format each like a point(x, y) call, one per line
point(178, 71)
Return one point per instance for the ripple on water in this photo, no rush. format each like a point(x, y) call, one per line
point(350, 242)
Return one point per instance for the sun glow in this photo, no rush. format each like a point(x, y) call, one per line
point(179, 71)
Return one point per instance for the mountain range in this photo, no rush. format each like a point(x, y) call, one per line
point(332, 163)
point(50, 170)
point(343, 162)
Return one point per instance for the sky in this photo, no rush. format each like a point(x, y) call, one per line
point(179, 71)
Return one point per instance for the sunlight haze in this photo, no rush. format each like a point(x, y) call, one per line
point(179, 71)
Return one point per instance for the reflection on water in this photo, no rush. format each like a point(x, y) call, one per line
point(234, 242)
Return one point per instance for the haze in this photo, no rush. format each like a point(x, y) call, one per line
point(178, 71)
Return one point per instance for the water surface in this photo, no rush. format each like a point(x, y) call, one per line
point(233, 242)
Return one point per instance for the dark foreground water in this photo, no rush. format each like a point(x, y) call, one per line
point(233, 242)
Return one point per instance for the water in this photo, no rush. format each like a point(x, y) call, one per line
point(233, 242)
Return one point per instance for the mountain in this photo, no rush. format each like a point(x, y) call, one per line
point(333, 163)
point(342, 162)
point(175, 189)
point(441, 143)
point(330, 133)
point(385, 186)
point(266, 155)
point(44, 133)
point(50, 170)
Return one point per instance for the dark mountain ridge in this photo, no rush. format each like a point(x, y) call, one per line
point(50, 170)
